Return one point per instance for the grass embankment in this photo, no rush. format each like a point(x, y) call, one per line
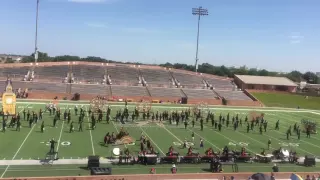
point(288, 100)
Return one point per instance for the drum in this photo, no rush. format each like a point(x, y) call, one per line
point(116, 151)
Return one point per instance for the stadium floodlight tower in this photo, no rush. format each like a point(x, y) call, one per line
point(36, 35)
point(199, 12)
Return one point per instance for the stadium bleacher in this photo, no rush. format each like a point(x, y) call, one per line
point(165, 92)
point(233, 95)
point(13, 72)
point(40, 86)
point(123, 75)
point(88, 73)
point(128, 91)
point(54, 73)
point(219, 83)
point(157, 77)
point(188, 80)
point(102, 90)
point(125, 81)
point(200, 93)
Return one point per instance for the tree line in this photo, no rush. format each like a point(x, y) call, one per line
point(295, 76)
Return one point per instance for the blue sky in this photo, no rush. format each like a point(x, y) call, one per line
point(281, 35)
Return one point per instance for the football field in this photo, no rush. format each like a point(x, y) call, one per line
point(31, 144)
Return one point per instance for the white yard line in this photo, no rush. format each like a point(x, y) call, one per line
point(60, 135)
point(205, 139)
point(25, 139)
point(93, 152)
point(300, 139)
point(164, 127)
point(225, 138)
point(152, 141)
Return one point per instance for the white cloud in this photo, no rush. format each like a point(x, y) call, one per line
point(296, 38)
point(92, 1)
point(295, 41)
point(96, 25)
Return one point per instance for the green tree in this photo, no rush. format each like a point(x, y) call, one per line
point(9, 60)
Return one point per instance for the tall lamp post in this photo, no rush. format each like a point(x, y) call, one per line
point(198, 12)
point(36, 36)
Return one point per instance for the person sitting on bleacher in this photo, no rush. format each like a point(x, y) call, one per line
point(263, 153)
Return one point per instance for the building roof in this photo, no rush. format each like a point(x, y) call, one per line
point(266, 80)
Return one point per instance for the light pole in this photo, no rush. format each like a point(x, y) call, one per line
point(36, 37)
point(198, 12)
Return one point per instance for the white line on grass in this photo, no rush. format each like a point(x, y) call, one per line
point(228, 139)
point(164, 127)
point(25, 139)
point(300, 140)
point(60, 137)
point(205, 139)
point(93, 152)
point(152, 141)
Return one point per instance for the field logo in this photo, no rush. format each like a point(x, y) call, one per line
point(289, 144)
point(239, 144)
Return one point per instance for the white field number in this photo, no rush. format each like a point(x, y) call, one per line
point(63, 143)
point(239, 144)
point(289, 144)
point(179, 144)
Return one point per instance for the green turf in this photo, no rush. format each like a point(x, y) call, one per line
point(288, 100)
point(28, 143)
